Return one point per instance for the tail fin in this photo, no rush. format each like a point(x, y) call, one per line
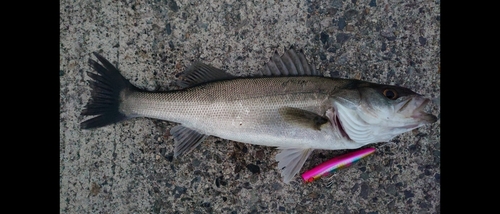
point(105, 94)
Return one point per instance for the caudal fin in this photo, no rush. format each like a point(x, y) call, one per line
point(106, 87)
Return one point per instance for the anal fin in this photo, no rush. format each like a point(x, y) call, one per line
point(291, 160)
point(185, 139)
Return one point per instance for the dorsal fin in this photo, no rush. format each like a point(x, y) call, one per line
point(290, 63)
point(199, 73)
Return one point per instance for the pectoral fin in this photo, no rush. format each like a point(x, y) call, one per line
point(291, 160)
point(185, 139)
point(302, 117)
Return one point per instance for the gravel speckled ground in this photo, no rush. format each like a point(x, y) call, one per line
point(128, 167)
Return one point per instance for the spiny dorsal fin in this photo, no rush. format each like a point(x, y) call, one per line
point(199, 73)
point(291, 160)
point(290, 63)
point(185, 139)
point(302, 118)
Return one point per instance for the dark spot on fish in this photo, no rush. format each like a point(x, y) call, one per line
point(224, 198)
point(253, 168)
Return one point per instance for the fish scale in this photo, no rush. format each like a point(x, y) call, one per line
point(220, 106)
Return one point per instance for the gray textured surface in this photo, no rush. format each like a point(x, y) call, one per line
point(128, 167)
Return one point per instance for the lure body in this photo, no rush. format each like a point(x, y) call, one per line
point(336, 163)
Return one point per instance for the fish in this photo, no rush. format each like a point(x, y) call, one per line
point(328, 167)
point(288, 105)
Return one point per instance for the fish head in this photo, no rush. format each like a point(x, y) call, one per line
point(371, 113)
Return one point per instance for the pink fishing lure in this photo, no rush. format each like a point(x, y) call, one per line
point(336, 163)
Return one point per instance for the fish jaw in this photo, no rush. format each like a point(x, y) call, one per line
point(419, 113)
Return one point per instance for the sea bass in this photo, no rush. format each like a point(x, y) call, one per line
point(290, 106)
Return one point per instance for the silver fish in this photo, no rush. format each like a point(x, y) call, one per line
point(289, 106)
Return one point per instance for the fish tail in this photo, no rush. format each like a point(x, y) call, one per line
point(107, 87)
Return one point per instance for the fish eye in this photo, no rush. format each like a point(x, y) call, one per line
point(391, 94)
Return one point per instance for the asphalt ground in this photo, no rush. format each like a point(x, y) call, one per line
point(128, 167)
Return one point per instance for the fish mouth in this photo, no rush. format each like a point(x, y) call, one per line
point(419, 113)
